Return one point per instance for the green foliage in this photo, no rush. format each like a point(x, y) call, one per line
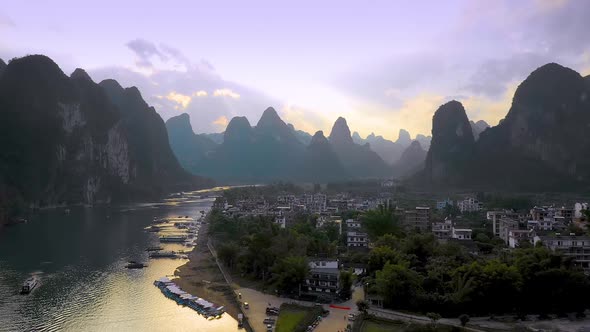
point(346, 279)
point(380, 222)
point(362, 306)
point(434, 317)
point(399, 285)
point(290, 272)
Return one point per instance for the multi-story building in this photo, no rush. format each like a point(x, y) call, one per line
point(281, 221)
point(461, 233)
point(418, 218)
point(504, 216)
point(357, 239)
point(517, 236)
point(469, 204)
point(574, 246)
point(323, 277)
point(352, 224)
point(443, 230)
point(578, 208)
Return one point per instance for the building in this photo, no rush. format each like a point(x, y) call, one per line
point(281, 221)
point(440, 205)
point(352, 224)
point(418, 218)
point(508, 217)
point(469, 204)
point(323, 277)
point(518, 236)
point(578, 208)
point(461, 233)
point(357, 239)
point(443, 230)
point(575, 246)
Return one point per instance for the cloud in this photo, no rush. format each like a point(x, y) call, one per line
point(221, 122)
point(6, 21)
point(226, 93)
point(145, 50)
point(187, 88)
point(492, 110)
point(182, 100)
point(306, 119)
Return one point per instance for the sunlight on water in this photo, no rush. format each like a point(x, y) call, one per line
point(80, 259)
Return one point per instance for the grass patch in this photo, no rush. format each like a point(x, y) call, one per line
point(373, 324)
point(295, 318)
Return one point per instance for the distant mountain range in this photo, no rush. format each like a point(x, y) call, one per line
point(541, 144)
point(273, 150)
point(391, 151)
point(71, 140)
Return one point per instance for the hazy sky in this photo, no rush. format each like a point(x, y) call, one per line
point(383, 65)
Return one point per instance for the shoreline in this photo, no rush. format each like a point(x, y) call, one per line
point(200, 276)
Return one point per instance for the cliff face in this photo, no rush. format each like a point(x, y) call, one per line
point(69, 140)
point(452, 143)
point(411, 160)
point(358, 160)
point(541, 145)
point(321, 164)
point(190, 149)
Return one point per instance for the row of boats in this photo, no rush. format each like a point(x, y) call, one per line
point(202, 306)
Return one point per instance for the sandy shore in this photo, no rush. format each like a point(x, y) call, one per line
point(200, 276)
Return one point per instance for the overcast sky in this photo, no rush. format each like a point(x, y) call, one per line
point(383, 65)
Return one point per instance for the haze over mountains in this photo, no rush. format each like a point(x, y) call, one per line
point(273, 150)
point(71, 140)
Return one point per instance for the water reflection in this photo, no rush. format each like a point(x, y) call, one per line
point(81, 257)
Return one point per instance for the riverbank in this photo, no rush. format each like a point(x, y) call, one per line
point(200, 276)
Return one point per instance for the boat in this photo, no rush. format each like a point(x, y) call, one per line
point(153, 229)
point(29, 285)
point(163, 254)
point(154, 248)
point(173, 238)
point(135, 265)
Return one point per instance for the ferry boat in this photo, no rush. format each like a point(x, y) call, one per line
point(202, 306)
point(135, 265)
point(29, 285)
point(173, 238)
point(154, 249)
point(163, 254)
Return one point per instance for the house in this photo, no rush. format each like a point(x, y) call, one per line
point(518, 236)
point(469, 204)
point(443, 230)
point(357, 239)
point(575, 246)
point(418, 218)
point(440, 205)
point(578, 208)
point(323, 277)
point(353, 224)
point(461, 233)
point(356, 268)
point(281, 221)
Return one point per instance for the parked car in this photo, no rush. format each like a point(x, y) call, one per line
point(246, 305)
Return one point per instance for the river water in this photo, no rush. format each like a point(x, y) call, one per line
point(80, 258)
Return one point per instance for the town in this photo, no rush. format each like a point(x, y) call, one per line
point(459, 254)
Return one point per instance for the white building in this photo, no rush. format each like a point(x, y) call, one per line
point(462, 233)
point(517, 236)
point(357, 239)
point(469, 204)
point(578, 208)
point(352, 224)
point(575, 246)
point(281, 221)
point(443, 230)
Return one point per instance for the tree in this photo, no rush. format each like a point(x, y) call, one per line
point(398, 285)
point(345, 284)
point(290, 272)
point(228, 253)
point(434, 317)
point(380, 222)
point(362, 306)
point(381, 255)
point(464, 319)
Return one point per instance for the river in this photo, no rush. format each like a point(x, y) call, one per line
point(80, 258)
